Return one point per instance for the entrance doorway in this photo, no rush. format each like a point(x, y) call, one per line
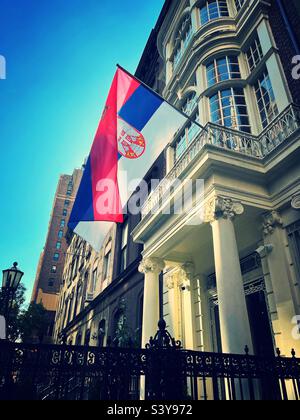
point(258, 314)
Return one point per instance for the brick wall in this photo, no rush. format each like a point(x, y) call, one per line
point(283, 41)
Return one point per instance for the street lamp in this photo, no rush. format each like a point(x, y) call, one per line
point(10, 283)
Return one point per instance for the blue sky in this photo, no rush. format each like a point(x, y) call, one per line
point(61, 57)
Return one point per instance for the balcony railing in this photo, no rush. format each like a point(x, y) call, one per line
point(257, 147)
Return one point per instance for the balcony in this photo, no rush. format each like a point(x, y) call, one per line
point(259, 147)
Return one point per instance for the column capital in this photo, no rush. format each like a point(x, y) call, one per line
point(186, 275)
point(170, 281)
point(296, 202)
point(222, 207)
point(151, 265)
point(271, 221)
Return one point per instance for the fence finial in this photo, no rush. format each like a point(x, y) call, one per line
point(163, 339)
point(247, 351)
point(293, 353)
point(278, 352)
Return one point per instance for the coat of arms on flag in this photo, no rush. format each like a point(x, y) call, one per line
point(131, 143)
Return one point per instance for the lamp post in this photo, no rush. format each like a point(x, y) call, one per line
point(10, 283)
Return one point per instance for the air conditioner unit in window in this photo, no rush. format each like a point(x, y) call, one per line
point(89, 297)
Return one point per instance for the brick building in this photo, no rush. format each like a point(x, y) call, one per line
point(284, 21)
point(52, 259)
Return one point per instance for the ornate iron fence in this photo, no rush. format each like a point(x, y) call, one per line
point(161, 372)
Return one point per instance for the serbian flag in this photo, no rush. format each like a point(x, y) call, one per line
point(135, 127)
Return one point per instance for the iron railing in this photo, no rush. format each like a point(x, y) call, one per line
point(40, 372)
point(258, 147)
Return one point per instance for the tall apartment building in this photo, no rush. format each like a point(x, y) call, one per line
point(52, 259)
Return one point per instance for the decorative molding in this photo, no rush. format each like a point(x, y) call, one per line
point(221, 207)
point(186, 274)
point(296, 202)
point(270, 222)
point(170, 281)
point(151, 265)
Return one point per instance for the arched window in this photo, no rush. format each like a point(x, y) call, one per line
point(120, 332)
point(101, 333)
point(213, 9)
point(182, 40)
point(223, 69)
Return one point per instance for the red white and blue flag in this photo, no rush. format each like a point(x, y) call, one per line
point(135, 127)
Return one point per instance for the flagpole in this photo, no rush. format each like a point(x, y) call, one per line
point(163, 99)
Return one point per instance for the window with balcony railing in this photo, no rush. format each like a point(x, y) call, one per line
point(182, 40)
point(266, 101)
point(228, 108)
point(254, 54)
point(222, 69)
point(188, 136)
point(239, 4)
point(213, 9)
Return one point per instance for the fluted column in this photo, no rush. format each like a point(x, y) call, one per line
point(234, 321)
point(282, 282)
point(151, 268)
point(186, 275)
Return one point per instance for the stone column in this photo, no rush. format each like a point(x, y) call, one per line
point(274, 238)
point(151, 268)
point(234, 321)
point(186, 275)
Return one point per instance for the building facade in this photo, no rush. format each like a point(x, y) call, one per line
point(51, 264)
point(233, 279)
point(101, 297)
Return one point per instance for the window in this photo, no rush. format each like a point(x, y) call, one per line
point(190, 104)
point(266, 99)
point(94, 280)
point(239, 4)
point(228, 108)
point(213, 9)
point(51, 282)
point(124, 249)
point(54, 269)
point(87, 338)
point(182, 40)
point(67, 203)
point(65, 212)
point(294, 240)
point(106, 265)
point(189, 135)
point(101, 333)
point(58, 245)
point(222, 69)
point(254, 54)
point(70, 188)
point(56, 256)
point(78, 339)
point(60, 234)
point(62, 223)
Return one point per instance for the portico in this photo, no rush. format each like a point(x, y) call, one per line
point(229, 269)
